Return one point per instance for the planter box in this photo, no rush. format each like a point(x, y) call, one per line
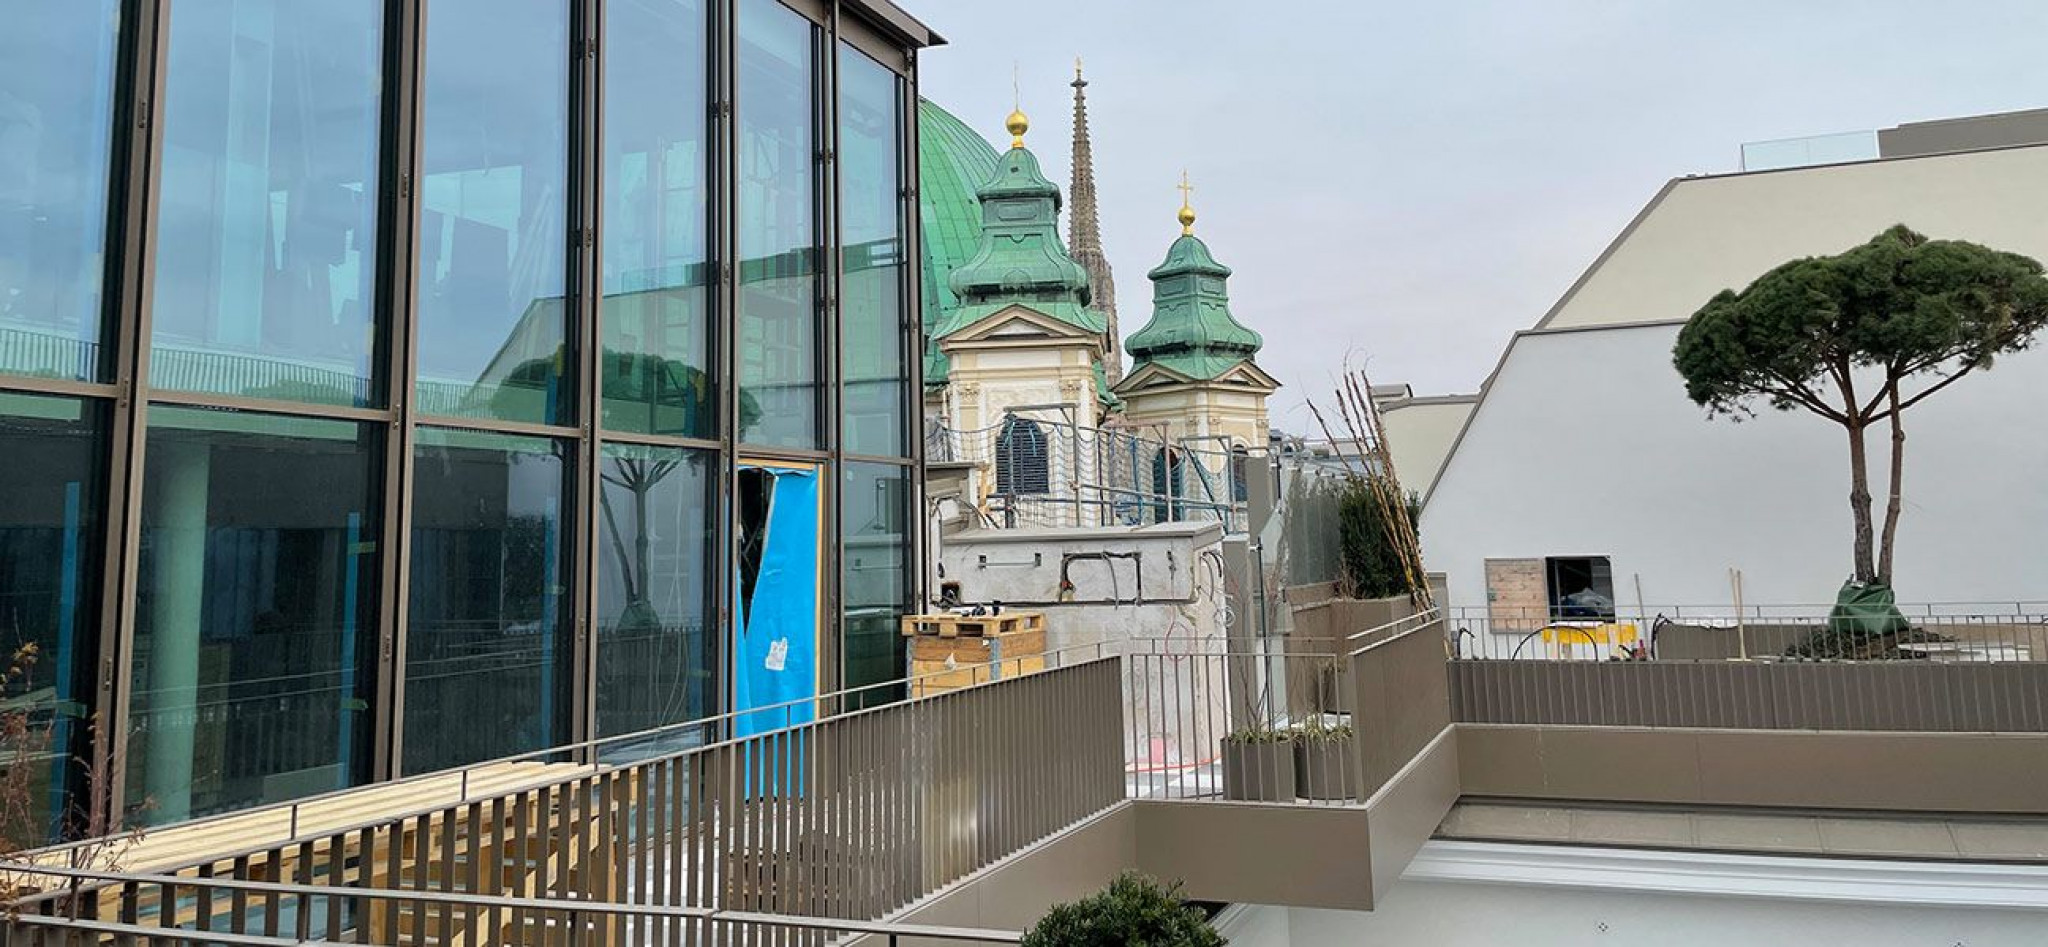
point(1259, 772)
point(1327, 769)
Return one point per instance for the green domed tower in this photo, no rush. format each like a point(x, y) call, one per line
point(953, 161)
point(1193, 368)
point(1192, 331)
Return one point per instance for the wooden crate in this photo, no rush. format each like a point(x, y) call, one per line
point(947, 625)
point(941, 664)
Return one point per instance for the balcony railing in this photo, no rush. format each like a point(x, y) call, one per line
point(848, 816)
point(1205, 716)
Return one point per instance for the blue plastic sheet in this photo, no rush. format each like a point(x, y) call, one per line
point(777, 653)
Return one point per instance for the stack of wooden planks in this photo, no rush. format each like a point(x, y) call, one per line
point(949, 652)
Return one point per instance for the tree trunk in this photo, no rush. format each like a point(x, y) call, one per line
point(1895, 503)
point(1859, 504)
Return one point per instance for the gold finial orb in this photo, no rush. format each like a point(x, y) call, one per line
point(1017, 124)
point(1187, 210)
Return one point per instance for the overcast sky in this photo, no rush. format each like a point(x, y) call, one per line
point(1412, 182)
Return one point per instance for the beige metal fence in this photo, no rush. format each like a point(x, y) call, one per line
point(1324, 722)
point(850, 817)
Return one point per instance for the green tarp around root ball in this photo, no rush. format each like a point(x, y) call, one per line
point(1866, 611)
point(1865, 623)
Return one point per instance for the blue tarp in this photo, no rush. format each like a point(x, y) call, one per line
point(777, 655)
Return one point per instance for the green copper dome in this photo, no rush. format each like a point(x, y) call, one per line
point(1192, 331)
point(953, 162)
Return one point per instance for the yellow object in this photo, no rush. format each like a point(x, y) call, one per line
point(1606, 633)
point(1017, 124)
point(1187, 210)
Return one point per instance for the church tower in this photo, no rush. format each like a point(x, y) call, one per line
point(1084, 231)
point(1023, 335)
point(1194, 372)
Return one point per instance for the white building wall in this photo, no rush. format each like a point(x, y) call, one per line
point(1420, 434)
point(1587, 445)
point(1706, 234)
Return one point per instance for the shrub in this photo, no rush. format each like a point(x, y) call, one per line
point(1369, 555)
point(1133, 910)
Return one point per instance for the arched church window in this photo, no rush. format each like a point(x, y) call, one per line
point(1168, 494)
point(1021, 465)
point(1240, 468)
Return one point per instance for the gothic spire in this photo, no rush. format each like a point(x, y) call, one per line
point(1084, 231)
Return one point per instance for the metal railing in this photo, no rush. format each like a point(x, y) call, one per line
point(1322, 722)
point(1039, 468)
point(167, 909)
point(849, 816)
point(1941, 633)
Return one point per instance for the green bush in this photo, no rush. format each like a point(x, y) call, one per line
point(1134, 911)
point(1369, 558)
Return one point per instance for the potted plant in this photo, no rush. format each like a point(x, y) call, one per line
point(1258, 764)
point(1326, 760)
point(1134, 909)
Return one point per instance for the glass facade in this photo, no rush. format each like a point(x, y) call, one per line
point(779, 322)
point(874, 525)
point(256, 594)
point(56, 121)
point(51, 492)
point(493, 236)
point(656, 362)
point(447, 363)
point(267, 229)
point(485, 672)
point(871, 255)
point(657, 650)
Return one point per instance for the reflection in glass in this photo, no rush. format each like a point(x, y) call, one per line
point(778, 319)
point(256, 613)
point(485, 653)
point(873, 504)
point(656, 650)
point(492, 244)
point(656, 279)
point(56, 87)
point(50, 495)
point(871, 224)
point(266, 250)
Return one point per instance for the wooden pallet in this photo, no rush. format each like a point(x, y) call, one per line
point(941, 662)
point(948, 625)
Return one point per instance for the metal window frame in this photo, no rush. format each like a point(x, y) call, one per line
point(134, 187)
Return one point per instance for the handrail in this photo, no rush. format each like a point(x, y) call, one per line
point(1420, 620)
point(469, 900)
point(596, 765)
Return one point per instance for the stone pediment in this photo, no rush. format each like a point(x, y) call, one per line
point(1017, 323)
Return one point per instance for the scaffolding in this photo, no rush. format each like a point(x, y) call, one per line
point(1038, 467)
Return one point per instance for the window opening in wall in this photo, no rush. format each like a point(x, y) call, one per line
point(1580, 587)
point(1021, 465)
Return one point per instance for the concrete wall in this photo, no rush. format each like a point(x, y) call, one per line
point(1586, 445)
point(1175, 590)
point(1702, 235)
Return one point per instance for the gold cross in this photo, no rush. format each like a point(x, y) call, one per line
point(1185, 189)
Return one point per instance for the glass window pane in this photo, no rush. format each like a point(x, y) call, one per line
point(493, 235)
point(50, 496)
point(485, 655)
point(778, 324)
point(873, 507)
point(656, 650)
point(657, 321)
point(256, 611)
point(56, 89)
point(871, 298)
point(266, 247)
